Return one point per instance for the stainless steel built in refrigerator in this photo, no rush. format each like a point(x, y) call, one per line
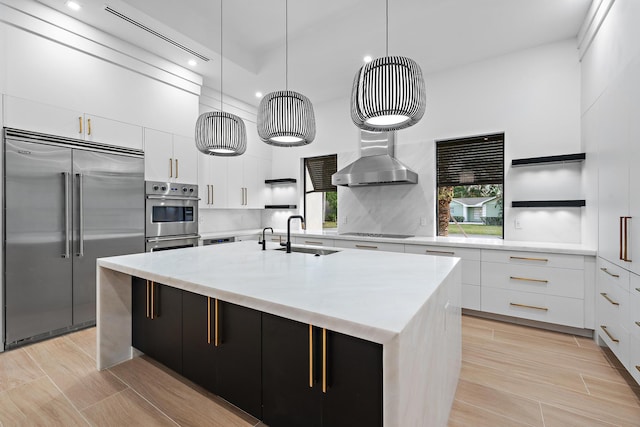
point(66, 203)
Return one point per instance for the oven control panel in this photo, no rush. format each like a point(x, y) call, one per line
point(174, 189)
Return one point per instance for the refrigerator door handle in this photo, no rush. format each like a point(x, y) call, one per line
point(66, 215)
point(80, 217)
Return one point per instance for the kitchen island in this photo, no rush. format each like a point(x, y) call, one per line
point(407, 304)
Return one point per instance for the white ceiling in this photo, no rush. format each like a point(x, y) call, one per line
point(329, 38)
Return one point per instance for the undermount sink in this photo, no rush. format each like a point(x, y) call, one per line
point(312, 251)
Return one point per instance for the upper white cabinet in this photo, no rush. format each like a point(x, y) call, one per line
point(170, 158)
point(212, 181)
point(37, 117)
point(246, 188)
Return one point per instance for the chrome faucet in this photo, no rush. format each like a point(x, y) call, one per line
point(264, 243)
point(288, 244)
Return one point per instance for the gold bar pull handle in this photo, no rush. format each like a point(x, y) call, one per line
point(520, 258)
point(366, 247)
point(621, 238)
point(526, 279)
point(609, 273)
point(216, 324)
point(176, 168)
point(208, 320)
point(153, 307)
point(604, 294)
point(310, 356)
point(212, 194)
point(528, 306)
point(80, 124)
point(88, 126)
point(170, 167)
point(626, 239)
point(324, 360)
point(148, 313)
point(208, 194)
point(611, 337)
point(429, 251)
point(309, 242)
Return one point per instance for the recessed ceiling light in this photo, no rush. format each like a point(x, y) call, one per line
point(73, 5)
point(192, 62)
point(258, 94)
point(368, 58)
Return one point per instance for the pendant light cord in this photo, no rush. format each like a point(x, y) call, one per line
point(286, 44)
point(387, 28)
point(221, 59)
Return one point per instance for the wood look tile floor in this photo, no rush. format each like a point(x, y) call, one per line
point(511, 376)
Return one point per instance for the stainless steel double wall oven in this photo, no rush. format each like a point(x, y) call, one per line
point(171, 215)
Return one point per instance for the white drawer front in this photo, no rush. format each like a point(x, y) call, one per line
point(611, 274)
point(531, 278)
point(617, 339)
point(471, 297)
point(540, 307)
point(634, 308)
point(534, 258)
point(634, 359)
point(464, 253)
point(313, 241)
point(612, 302)
point(370, 246)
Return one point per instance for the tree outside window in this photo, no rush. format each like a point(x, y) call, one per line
point(321, 197)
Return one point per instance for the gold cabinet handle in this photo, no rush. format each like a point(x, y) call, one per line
point(528, 306)
point(310, 356)
point(366, 247)
point(526, 279)
point(88, 126)
point(611, 337)
point(529, 259)
point(208, 194)
point(176, 168)
point(276, 240)
point(604, 294)
point(170, 167)
point(324, 360)
point(153, 289)
point(147, 300)
point(440, 252)
point(208, 320)
point(626, 238)
point(212, 194)
point(309, 242)
point(80, 123)
point(609, 273)
point(216, 324)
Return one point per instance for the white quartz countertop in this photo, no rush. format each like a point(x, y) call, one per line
point(370, 295)
point(461, 242)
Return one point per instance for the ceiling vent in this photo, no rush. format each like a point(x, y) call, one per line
point(155, 33)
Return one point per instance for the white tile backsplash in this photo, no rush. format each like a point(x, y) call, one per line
point(212, 220)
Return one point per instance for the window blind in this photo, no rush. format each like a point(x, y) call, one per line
point(320, 170)
point(470, 161)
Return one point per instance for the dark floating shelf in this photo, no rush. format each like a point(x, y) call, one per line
point(549, 204)
point(280, 181)
point(280, 206)
point(565, 158)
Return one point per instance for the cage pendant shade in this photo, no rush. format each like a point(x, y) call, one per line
point(388, 94)
point(221, 134)
point(286, 119)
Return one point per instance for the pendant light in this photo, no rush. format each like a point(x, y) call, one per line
point(219, 133)
point(285, 117)
point(388, 93)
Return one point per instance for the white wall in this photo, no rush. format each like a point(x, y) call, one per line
point(533, 96)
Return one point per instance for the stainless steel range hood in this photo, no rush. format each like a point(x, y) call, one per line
point(376, 166)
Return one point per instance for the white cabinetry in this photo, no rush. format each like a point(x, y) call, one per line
point(314, 241)
point(537, 286)
point(171, 158)
point(212, 181)
point(470, 263)
point(37, 117)
point(246, 188)
point(370, 246)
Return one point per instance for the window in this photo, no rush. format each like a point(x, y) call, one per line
point(320, 196)
point(470, 185)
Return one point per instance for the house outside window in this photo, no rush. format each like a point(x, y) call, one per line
point(470, 186)
point(320, 196)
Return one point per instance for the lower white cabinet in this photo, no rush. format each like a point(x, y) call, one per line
point(313, 241)
point(470, 263)
point(370, 246)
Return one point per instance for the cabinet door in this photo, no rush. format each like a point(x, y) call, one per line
point(239, 357)
point(633, 244)
point(235, 186)
point(29, 115)
point(112, 132)
point(287, 397)
point(219, 182)
point(354, 382)
point(253, 182)
point(158, 156)
point(185, 155)
point(140, 315)
point(204, 181)
point(198, 346)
